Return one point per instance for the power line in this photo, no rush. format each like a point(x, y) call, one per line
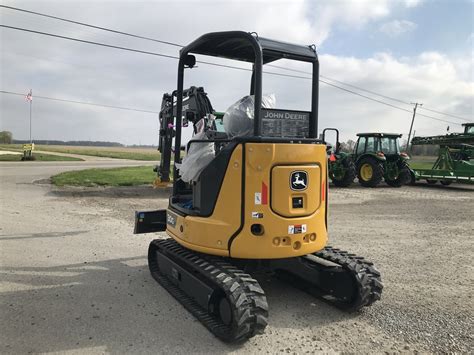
point(143, 52)
point(342, 82)
point(89, 42)
point(91, 26)
point(214, 64)
point(395, 99)
point(79, 102)
point(210, 63)
point(386, 103)
point(444, 113)
point(369, 91)
point(139, 50)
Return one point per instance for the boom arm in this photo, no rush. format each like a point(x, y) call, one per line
point(196, 105)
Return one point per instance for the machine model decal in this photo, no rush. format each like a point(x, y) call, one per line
point(285, 123)
point(299, 180)
point(297, 229)
point(257, 215)
point(171, 219)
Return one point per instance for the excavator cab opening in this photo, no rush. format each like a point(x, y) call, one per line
point(250, 194)
point(199, 198)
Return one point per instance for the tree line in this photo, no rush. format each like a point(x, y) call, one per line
point(6, 137)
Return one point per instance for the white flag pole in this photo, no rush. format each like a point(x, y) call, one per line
point(31, 102)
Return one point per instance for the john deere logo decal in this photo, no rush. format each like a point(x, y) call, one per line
point(299, 180)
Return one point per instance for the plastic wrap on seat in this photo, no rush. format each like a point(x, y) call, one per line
point(238, 119)
point(197, 158)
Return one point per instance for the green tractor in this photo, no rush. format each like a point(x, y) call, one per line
point(341, 167)
point(377, 156)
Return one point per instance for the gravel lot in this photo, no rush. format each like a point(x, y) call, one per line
point(74, 279)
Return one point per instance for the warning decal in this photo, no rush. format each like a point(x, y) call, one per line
point(258, 198)
point(297, 229)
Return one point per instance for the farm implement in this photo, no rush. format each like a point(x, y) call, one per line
point(455, 157)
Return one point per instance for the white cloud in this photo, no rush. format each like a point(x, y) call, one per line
point(431, 78)
point(64, 69)
point(412, 3)
point(397, 27)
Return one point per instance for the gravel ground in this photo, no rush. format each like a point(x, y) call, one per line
point(74, 279)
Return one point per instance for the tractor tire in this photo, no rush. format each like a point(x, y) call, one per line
point(369, 172)
point(445, 183)
point(404, 177)
point(349, 176)
point(431, 182)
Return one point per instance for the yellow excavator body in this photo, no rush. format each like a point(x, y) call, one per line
point(259, 214)
point(250, 197)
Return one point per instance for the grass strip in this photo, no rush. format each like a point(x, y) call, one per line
point(127, 176)
point(420, 164)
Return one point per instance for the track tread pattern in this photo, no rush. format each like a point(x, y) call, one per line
point(367, 278)
point(246, 297)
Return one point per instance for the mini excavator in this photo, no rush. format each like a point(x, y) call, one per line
point(260, 205)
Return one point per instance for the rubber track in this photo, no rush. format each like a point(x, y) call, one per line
point(367, 277)
point(248, 301)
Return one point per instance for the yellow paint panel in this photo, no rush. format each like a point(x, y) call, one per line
point(276, 241)
point(214, 232)
point(198, 248)
point(282, 195)
point(282, 236)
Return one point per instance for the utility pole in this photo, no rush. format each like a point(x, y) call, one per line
point(412, 121)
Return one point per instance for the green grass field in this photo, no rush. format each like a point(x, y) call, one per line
point(38, 156)
point(147, 154)
point(422, 161)
point(128, 176)
point(421, 164)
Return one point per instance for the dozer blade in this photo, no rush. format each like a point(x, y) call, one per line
point(229, 302)
point(345, 280)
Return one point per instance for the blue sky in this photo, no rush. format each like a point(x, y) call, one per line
point(441, 25)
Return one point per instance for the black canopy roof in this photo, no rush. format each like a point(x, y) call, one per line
point(240, 45)
point(378, 134)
